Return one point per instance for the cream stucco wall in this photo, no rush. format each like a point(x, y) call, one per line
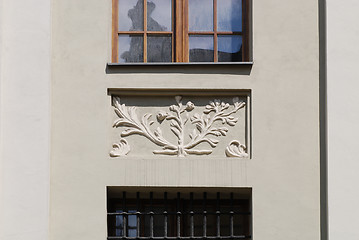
point(343, 118)
point(24, 119)
point(81, 169)
point(284, 79)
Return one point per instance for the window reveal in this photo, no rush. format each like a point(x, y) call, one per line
point(180, 31)
point(179, 216)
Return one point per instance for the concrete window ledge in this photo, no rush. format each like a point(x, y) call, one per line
point(239, 68)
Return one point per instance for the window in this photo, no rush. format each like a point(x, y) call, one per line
point(178, 215)
point(180, 31)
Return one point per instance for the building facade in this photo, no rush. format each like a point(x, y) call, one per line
point(255, 135)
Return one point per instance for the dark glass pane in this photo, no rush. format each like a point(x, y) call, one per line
point(158, 222)
point(158, 226)
point(225, 221)
point(229, 48)
point(159, 14)
point(211, 224)
point(201, 48)
point(198, 224)
point(240, 224)
point(159, 48)
point(229, 15)
point(131, 232)
point(146, 226)
point(200, 15)
point(115, 225)
point(130, 48)
point(132, 224)
point(130, 15)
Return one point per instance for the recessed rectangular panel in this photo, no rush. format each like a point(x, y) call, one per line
point(201, 48)
point(229, 15)
point(130, 15)
point(159, 15)
point(200, 15)
point(179, 125)
point(159, 48)
point(230, 48)
point(130, 48)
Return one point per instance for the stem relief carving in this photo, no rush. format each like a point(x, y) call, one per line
point(179, 117)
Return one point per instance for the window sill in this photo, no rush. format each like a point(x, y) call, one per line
point(180, 64)
point(238, 68)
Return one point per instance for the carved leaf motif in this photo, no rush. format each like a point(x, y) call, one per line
point(158, 132)
point(120, 149)
point(199, 152)
point(236, 149)
point(129, 131)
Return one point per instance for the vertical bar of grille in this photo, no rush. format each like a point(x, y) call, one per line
point(138, 216)
point(191, 214)
point(231, 216)
point(178, 215)
point(151, 214)
point(124, 214)
point(165, 214)
point(218, 213)
point(204, 214)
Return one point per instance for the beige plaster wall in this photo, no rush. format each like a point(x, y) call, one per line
point(24, 119)
point(343, 118)
point(284, 170)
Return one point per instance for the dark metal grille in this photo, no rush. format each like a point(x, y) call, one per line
point(179, 216)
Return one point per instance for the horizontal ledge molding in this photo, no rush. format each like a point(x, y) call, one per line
point(178, 91)
point(180, 64)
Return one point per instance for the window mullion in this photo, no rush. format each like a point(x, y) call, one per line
point(215, 41)
point(173, 24)
point(115, 31)
point(145, 31)
point(245, 32)
point(185, 30)
point(179, 30)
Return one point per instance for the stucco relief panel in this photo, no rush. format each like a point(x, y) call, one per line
point(181, 125)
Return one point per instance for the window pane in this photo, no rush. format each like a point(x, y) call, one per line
point(225, 221)
point(229, 48)
point(130, 15)
point(159, 14)
point(200, 15)
point(130, 48)
point(201, 48)
point(158, 225)
point(159, 48)
point(229, 15)
point(211, 224)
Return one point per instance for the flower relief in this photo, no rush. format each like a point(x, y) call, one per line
point(179, 117)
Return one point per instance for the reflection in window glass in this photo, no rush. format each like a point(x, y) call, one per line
point(132, 224)
point(229, 15)
point(229, 48)
point(159, 48)
point(159, 15)
point(130, 15)
point(200, 15)
point(119, 224)
point(201, 48)
point(130, 48)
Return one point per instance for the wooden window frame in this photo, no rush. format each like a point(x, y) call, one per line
point(180, 32)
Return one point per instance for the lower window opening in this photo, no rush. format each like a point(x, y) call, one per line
point(171, 214)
